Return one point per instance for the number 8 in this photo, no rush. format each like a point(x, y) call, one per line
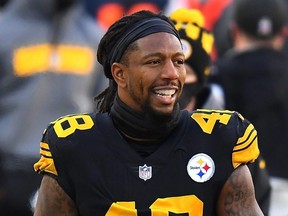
point(73, 125)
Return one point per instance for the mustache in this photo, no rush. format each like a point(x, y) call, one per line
point(168, 83)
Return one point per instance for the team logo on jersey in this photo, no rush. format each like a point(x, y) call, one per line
point(201, 167)
point(145, 172)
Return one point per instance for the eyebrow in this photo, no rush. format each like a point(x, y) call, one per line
point(157, 54)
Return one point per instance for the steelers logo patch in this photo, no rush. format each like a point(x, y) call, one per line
point(187, 48)
point(201, 167)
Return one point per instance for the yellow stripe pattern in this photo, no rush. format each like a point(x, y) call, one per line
point(246, 147)
point(41, 58)
point(46, 162)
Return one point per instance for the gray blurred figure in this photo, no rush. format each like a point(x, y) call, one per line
point(48, 69)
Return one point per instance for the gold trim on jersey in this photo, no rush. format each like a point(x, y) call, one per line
point(246, 147)
point(46, 162)
point(41, 58)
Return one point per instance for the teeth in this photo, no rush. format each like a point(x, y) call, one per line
point(166, 93)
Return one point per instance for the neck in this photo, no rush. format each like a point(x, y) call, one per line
point(142, 126)
point(244, 42)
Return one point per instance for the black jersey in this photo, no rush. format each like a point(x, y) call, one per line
point(100, 171)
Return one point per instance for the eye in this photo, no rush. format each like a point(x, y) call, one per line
point(179, 62)
point(153, 62)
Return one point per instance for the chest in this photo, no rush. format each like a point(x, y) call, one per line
point(184, 170)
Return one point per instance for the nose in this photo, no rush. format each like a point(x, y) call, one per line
point(169, 71)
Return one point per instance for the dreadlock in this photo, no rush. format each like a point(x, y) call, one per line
point(106, 46)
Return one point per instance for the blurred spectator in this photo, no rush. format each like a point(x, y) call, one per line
point(211, 9)
point(254, 76)
point(108, 11)
point(197, 44)
point(48, 69)
point(213, 12)
point(223, 35)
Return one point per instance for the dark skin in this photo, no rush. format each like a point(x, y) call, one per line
point(155, 75)
point(52, 200)
point(237, 197)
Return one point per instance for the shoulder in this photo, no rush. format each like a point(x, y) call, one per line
point(218, 120)
point(226, 125)
point(63, 137)
point(229, 60)
point(230, 129)
point(70, 127)
point(209, 119)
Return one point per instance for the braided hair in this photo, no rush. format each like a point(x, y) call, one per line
point(106, 46)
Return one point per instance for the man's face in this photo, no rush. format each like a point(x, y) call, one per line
point(155, 74)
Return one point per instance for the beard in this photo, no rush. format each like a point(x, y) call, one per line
point(158, 117)
point(152, 114)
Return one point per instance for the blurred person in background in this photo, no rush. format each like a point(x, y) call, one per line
point(254, 76)
point(48, 68)
point(215, 14)
point(211, 9)
point(106, 12)
point(199, 93)
point(222, 32)
point(197, 45)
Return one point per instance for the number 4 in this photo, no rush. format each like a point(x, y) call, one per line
point(207, 120)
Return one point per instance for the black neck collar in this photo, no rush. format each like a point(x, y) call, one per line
point(142, 126)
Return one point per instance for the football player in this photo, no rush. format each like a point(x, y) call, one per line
point(141, 155)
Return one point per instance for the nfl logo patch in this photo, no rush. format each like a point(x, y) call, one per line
point(145, 172)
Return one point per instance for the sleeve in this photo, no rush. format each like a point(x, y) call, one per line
point(45, 164)
point(246, 148)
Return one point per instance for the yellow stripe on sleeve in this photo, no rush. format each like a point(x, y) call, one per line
point(46, 162)
point(246, 150)
point(248, 137)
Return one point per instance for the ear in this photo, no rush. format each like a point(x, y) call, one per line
point(118, 73)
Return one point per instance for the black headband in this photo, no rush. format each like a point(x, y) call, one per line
point(141, 29)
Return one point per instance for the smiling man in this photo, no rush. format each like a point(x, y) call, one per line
point(149, 86)
point(141, 155)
